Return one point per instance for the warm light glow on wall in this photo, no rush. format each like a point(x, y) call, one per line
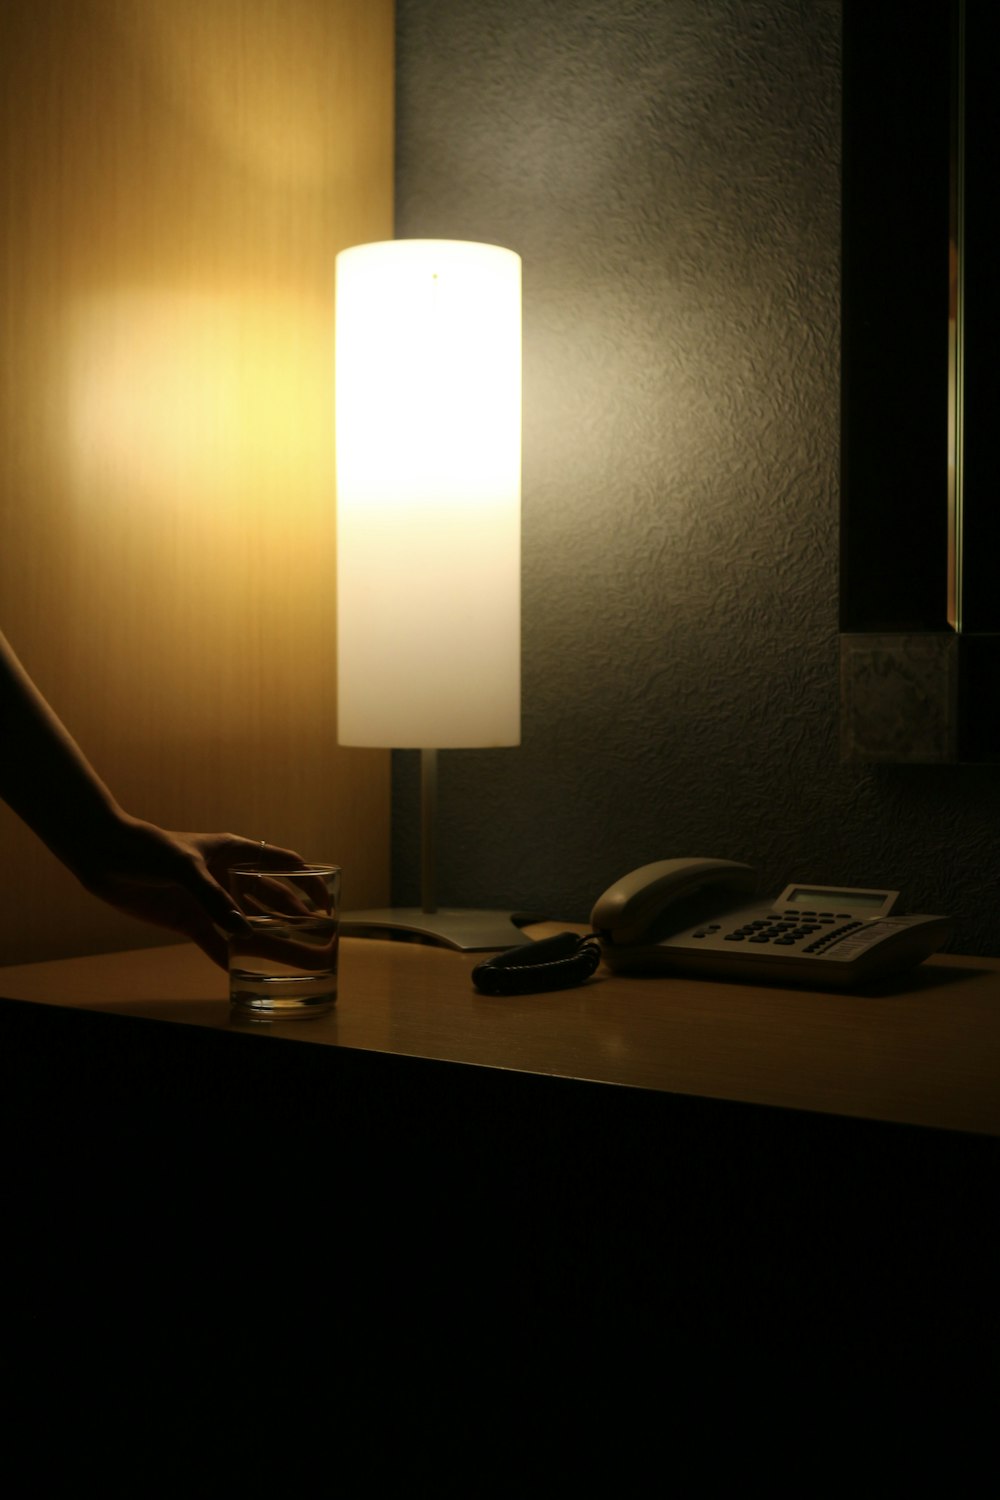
point(291, 60)
point(219, 400)
point(428, 493)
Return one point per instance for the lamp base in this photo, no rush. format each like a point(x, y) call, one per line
point(468, 930)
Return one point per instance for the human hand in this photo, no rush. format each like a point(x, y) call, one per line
point(176, 880)
point(291, 918)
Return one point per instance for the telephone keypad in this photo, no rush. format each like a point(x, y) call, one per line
point(789, 929)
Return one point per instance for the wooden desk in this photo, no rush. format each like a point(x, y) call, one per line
point(717, 1164)
point(924, 1050)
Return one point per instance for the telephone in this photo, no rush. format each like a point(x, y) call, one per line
point(694, 916)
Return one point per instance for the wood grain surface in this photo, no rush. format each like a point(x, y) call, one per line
point(923, 1050)
point(177, 178)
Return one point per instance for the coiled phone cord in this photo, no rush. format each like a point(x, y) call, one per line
point(555, 963)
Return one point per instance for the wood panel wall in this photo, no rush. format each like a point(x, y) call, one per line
point(176, 179)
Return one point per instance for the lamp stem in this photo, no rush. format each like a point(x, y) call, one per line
point(428, 826)
point(470, 931)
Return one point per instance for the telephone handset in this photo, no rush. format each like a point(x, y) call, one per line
point(635, 906)
point(693, 916)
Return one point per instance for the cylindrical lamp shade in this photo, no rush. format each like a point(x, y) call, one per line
point(428, 382)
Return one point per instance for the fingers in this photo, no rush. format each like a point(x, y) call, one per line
point(300, 896)
point(286, 893)
point(218, 904)
point(217, 919)
point(265, 895)
point(205, 873)
point(297, 897)
point(273, 857)
point(222, 851)
point(195, 875)
point(283, 944)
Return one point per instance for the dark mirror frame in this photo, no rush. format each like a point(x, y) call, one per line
point(920, 523)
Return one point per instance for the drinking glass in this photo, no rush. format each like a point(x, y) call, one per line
point(284, 965)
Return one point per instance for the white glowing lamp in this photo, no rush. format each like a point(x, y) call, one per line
point(428, 416)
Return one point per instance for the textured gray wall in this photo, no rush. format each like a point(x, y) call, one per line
point(668, 169)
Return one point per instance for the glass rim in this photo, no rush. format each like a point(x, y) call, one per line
point(285, 873)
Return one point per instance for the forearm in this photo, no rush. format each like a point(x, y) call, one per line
point(44, 776)
point(177, 880)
